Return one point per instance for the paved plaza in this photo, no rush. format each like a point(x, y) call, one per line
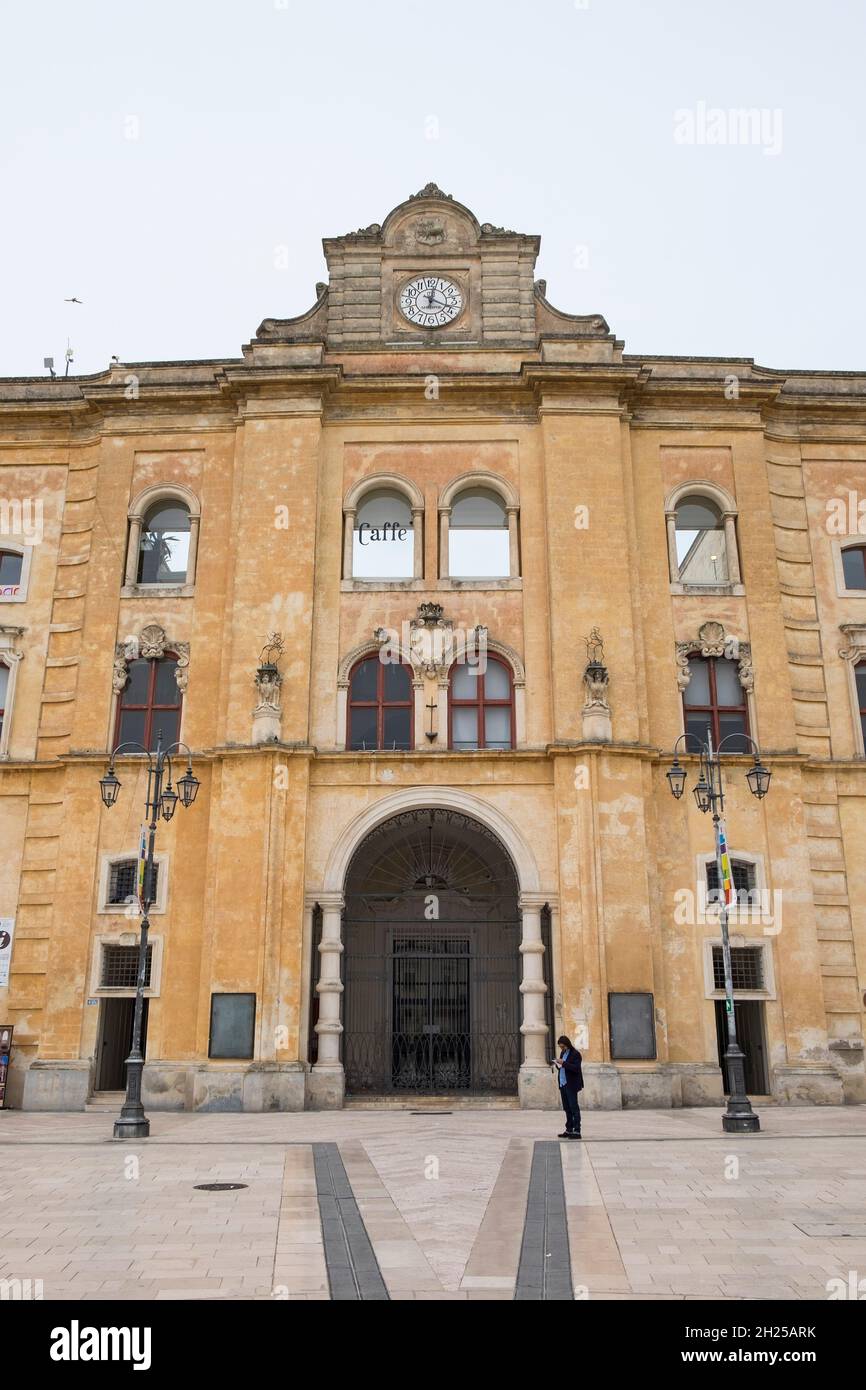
point(466, 1205)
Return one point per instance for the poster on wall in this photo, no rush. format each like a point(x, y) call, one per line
point(7, 930)
point(5, 1051)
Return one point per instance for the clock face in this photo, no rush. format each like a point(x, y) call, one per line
point(430, 301)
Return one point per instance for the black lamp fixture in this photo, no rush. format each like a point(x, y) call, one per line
point(188, 786)
point(677, 779)
point(109, 787)
point(758, 778)
point(168, 803)
point(703, 793)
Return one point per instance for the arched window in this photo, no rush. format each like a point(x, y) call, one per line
point(854, 566)
point(380, 706)
point(481, 705)
point(163, 550)
point(701, 543)
point(383, 541)
point(715, 703)
point(150, 703)
point(11, 566)
point(860, 677)
point(4, 690)
point(478, 540)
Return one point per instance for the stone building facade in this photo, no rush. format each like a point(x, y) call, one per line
point(508, 565)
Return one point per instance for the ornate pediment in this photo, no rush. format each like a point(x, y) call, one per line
point(712, 640)
point(151, 644)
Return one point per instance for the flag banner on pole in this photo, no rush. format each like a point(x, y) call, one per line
point(142, 865)
point(727, 884)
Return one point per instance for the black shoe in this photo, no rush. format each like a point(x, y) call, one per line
point(566, 1134)
point(575, 1134)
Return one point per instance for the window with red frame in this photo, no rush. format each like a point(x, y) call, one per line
point(854, 566)
point(860, 674)
point(715, 703)
point(4, 686)
point(380, 706)
point(481, 706)
point(150, 704)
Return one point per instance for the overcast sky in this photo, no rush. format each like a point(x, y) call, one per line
point(157, 156)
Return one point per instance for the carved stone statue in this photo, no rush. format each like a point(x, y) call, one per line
point(268, 681)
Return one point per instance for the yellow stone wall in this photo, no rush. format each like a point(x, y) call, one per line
point(289, 430)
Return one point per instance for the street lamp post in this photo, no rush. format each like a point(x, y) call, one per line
point(132, 1123)
point(739, 1118)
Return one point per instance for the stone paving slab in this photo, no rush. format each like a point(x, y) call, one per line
point(659, 1204)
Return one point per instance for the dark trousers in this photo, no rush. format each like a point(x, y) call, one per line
point(568, 1096)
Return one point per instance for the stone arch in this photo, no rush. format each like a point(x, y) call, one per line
point(424, 798)
point(327, 1079)
point(138, 510)
point(373, 483)
point(492, 482)
point(726, 503)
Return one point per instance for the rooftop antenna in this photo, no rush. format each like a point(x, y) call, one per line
point(69, 357)
point(48, 363)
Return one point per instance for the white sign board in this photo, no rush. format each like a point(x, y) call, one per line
point(7, 931)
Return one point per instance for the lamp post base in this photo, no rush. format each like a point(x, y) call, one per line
point(131, 1128)
point(741, 1124)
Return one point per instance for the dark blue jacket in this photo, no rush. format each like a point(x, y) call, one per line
point(573, 1071)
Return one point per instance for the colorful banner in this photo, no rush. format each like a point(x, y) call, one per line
point(142, 866)
point(727, 884)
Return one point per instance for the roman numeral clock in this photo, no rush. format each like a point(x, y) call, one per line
point(431, 301)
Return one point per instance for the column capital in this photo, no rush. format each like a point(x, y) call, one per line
point(529, 902)
point(328, 902)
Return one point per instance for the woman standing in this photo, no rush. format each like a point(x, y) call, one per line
point(570, 1083)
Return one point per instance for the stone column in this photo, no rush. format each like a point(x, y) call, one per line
point(732, 553)
point(327, 1079)
point(513, 544)
point(418, 535)
point(135, 525)
point(419, 713)
point(348, 541)
point(444, 525)
point(671, 521)
point(192, 561)
point(535, 1083)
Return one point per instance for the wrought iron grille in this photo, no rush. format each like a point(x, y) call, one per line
point(430, 1014)
point(120, 967)
point(431, 999)
point(122, 884)
point(744, 878)
point(747, 967)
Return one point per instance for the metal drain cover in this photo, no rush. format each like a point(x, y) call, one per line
point(219, 1186)
point(431, 1112)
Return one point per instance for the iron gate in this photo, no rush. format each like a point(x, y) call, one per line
point(432, 1014)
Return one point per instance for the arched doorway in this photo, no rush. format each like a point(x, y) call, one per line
point(431, 960)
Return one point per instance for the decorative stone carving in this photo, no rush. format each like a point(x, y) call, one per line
point(150, 645)
point(268, 681)
point(489, 230)
point(596, 716)
point(712, 640)
point(430, 233)
point(431, 190)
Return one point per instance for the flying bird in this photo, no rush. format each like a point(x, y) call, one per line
point(73, 300)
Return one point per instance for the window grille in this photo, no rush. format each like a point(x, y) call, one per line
point(747, 967)
point(120, 967)
point(745, 882)
point(122, 881)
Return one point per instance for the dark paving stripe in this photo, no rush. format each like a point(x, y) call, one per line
point(545, 1263)
point(353, 1270)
